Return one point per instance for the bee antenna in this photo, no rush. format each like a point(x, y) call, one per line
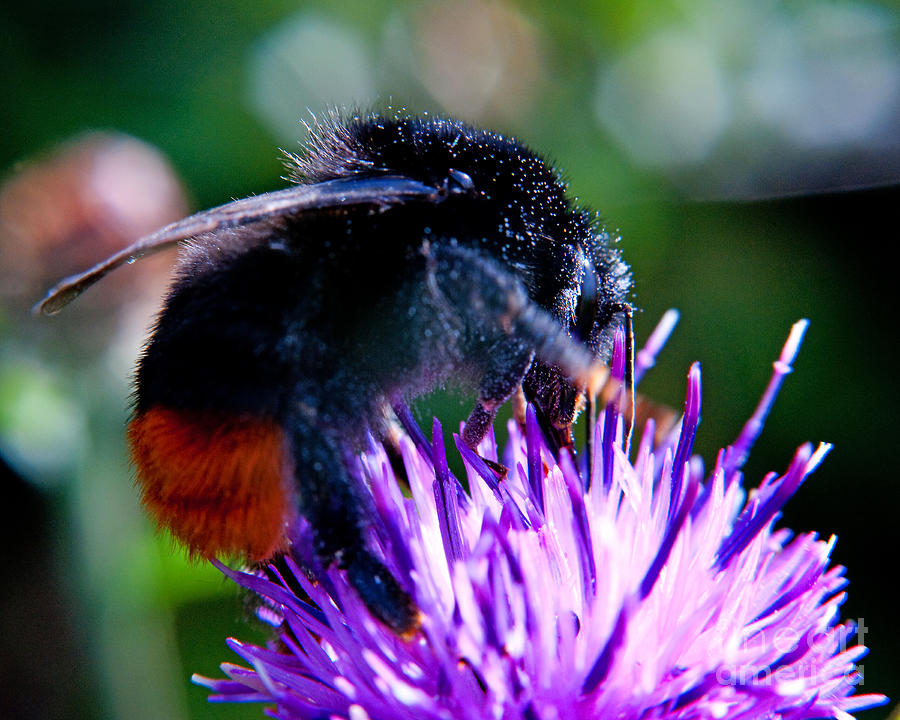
point(629, 372)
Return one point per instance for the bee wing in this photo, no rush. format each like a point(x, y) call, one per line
point(377, 192)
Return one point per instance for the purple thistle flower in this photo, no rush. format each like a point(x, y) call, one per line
point(624, 590)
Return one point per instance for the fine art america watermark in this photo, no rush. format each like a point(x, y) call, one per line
point(787, 669)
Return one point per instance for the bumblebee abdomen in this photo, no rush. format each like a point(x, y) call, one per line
point(220, 482)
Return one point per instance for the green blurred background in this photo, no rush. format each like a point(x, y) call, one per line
point(747, 152)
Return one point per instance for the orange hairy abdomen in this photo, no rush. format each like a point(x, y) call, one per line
point(217, 481)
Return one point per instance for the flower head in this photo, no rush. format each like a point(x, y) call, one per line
point(622, 590)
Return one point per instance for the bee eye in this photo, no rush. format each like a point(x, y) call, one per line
point(587, 307)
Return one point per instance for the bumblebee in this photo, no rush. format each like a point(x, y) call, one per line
point(411, 252)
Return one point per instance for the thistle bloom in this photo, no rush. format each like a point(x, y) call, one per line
point(644, 590)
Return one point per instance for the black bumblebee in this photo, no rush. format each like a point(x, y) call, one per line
point(410, 252)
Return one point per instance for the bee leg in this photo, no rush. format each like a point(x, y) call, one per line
point(381, 592)
point(491, 303)
point(492, 306)
point(488, 299)
point(329, 500)
point(509, 363)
